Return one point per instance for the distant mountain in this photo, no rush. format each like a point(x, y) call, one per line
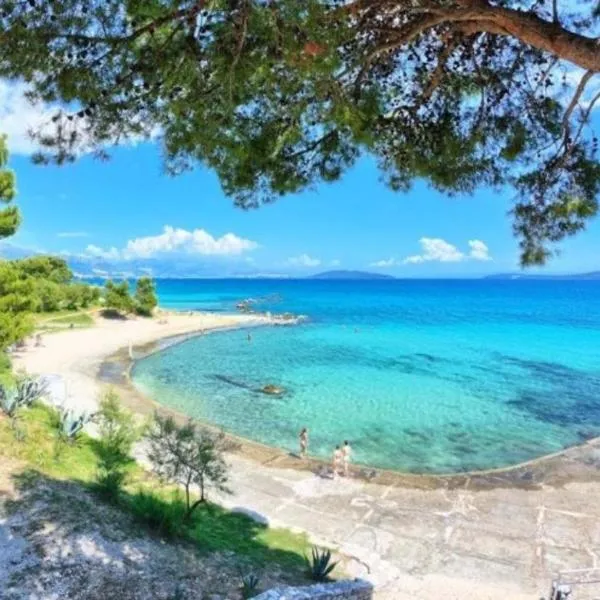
point(349, 275)
point(593, 276)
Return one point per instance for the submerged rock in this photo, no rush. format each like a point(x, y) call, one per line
point(273, 390)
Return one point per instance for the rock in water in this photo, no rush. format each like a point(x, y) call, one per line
point(273, 390)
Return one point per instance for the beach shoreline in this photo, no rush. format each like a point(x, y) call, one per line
point(102, 356)
point(404, 532)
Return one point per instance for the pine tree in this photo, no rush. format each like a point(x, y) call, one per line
point(9, 217)
point(278, 96)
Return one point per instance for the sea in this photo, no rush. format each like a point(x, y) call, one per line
point(422, 376)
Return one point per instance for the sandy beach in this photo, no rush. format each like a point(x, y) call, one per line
point(76, 355)
point(494, 536)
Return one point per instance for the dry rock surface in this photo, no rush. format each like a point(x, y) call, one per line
point(57, 541)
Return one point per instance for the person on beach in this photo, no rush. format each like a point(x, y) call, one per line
point(303, 442)
point(337, 461)
point(346, 454)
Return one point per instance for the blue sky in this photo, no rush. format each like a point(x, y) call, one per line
point(116, 213)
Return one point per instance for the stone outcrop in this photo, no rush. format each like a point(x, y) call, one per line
point(341, 590)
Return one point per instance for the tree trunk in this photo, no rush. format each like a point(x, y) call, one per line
point(550, 37)
point(479, 16)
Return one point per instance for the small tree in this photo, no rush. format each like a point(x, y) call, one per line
point(117, 296)
point(118, 433)
point(145, 299)
point(188, 455)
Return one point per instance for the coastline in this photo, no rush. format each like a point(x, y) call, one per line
point(87, 368)
point(503, 533)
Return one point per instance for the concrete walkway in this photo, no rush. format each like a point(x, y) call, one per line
point(463, 543)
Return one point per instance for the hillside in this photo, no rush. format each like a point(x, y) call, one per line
point(349, 275)
point(592, 276)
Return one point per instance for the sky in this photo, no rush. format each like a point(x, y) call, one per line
point(128, 217)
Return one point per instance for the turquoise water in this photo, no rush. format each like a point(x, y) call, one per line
point(421, 376)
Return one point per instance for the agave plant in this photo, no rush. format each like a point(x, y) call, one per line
point(9, 402)
point(249, 586)
point(71, 425)
point(30, 389)
point(320, 565)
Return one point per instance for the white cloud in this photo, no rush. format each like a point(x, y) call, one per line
point(336, 262)
point(170, 241)
point(18, 116)
point(197, 241)
point(97, 252)
point(384, 263)
point(72, 234)
point(435, 249)
point(304, 260)
point(99, 272)
point(479, 250)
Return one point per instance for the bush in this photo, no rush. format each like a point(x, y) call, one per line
point(118, 433)
point(145, 300)
point(117, 298)
point(168, 519)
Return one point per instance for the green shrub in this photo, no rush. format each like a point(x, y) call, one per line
point(70, 425)
point(118, 433)
point(320, 565)
point(145, 299)
point(166, 518)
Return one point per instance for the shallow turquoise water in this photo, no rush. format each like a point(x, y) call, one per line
point(424, 376)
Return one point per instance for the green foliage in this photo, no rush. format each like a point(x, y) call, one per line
point(6, 376)
point(145, 300)
point(9, 402)
point(276, 97)
point(80, 295)
point(165, 517)
point(117, 298)
point(189, 455)
point(118, 433)
point(25, 391)
point(47, 268)
point(249, 587)
point(16, 302)
point(48, 295)
point(29, 389)
point(9, 217)
point(212, 530)
point(320, 565)
point(70, 425)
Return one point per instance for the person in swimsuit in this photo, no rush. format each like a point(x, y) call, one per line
point(346, 454)
point(303, 442)
point(337, 461)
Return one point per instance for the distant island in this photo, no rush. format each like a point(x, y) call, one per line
point(593, 276)
point(349, 275)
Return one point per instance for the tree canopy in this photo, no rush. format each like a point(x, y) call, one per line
point(51, 268)
point(145, 299)
point(117, 297)
point(277, 95)
point(9, 216)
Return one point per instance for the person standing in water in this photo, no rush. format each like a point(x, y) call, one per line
point(303, 442)
point(249, 338)
point(337, 461)
point(346, 454)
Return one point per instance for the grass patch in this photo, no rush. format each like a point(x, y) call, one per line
point(160, 509)
point(48, 322)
